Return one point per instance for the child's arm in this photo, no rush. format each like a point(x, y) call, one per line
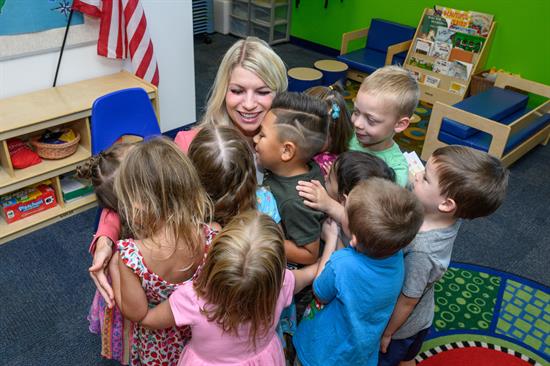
point(306, 254)
point(108, 232)
point(330, 234)
point(129, 295)
point(316, 197)
point(404, 307)
point(304, 277)
point(159, 317)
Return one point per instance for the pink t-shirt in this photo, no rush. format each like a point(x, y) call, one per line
point(184, 138)
point(209, 346)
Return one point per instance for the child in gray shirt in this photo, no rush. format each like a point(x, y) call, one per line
point(458, 183)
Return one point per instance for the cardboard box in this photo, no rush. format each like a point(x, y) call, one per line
point(26, 202)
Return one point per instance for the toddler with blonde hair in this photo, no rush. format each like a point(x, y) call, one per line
point(234, 304)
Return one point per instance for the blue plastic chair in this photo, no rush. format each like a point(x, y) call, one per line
point(124, 112)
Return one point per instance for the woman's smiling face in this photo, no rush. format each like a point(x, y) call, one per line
point(247, 100)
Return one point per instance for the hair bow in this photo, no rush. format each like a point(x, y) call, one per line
point(335, 112)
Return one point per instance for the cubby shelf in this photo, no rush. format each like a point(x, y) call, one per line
point(63, 106)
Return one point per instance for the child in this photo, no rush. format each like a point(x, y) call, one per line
point(163, 203)
point(458, 183)
point(340, 127)
point(106, 320)
point(225, 163)
point(383, 107)
point(292, 132)
point(359, 285)
point(349, 169)
point(235, 302)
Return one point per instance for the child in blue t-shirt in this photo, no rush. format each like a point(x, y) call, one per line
point(359, 285)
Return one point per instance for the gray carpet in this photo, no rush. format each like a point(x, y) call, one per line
point(46, 291)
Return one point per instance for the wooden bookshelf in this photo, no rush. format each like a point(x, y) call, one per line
point(27, 115)
point(441, 93)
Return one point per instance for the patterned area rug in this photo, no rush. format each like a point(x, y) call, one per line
point(486, 317)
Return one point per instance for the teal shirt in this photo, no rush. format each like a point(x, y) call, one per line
point(392, 156)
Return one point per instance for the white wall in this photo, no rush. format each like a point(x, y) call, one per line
point(170, 24)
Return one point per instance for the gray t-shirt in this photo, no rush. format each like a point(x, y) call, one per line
point(426, 260)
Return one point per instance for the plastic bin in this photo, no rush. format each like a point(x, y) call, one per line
point(239, 10)
point(261, 31)
point(222, 10)
point(239, 27)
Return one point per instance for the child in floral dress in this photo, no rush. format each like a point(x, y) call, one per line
point(164, 205)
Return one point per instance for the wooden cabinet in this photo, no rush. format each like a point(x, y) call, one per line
point(63, 106)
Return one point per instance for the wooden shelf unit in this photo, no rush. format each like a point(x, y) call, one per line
point(63, 106)
point(442, 94)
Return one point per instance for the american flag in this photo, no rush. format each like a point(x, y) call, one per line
point(123, 28)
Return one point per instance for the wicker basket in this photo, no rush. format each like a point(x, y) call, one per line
point(55, 151)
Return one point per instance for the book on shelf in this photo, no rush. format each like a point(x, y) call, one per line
point(444, 35)
point(457, 88)
point(429, 26)
point(468, 42)
point(454, 16)
point(423, 46)
point(432, 81)
point(481, 22)
point(423, 64)
point(419, 77)
point(458, 54)
point(459, 29)
point(442, 67)
point(440, 50)
point(460, 70)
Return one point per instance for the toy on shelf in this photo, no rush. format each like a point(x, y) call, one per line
point(449, 46)
point(21, 155)
point(74, 188)
point(56, 144)
point(499, 120)
point(27, 201)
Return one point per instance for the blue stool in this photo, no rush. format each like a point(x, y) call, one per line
point(332, 70)
point(302, 78)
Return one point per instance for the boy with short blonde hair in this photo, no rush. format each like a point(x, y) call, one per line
point(383, 107)
point(458, 183)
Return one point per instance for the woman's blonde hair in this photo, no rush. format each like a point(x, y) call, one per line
point(225, 165)
point(253, 55)
point(243, 275)
point(159, 192)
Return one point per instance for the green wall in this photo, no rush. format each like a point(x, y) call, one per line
point(521, 43)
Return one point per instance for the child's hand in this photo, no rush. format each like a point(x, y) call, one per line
point(314, 194)
point(98, 270)
point(385, 342)
point(329, 231)
point(327, 166)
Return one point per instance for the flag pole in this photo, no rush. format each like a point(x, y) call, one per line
point(63, 46)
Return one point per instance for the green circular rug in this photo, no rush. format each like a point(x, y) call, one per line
point(487, 317)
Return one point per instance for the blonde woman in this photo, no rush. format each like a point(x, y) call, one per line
point(234, 304)
point(162, 202)
point(249, 77)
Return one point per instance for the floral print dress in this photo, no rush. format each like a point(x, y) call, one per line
point(162, 346)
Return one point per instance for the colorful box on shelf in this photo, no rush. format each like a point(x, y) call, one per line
point(26, 202)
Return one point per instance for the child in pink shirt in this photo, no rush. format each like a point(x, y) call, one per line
point(234, 304)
